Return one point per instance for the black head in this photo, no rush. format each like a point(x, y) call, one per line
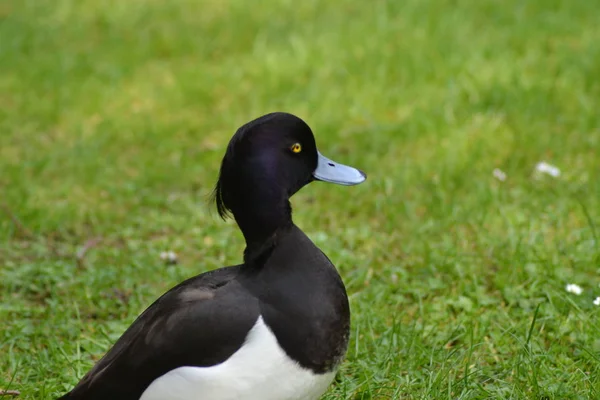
point(267, 161)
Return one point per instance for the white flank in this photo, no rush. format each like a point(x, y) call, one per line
point(259, 370)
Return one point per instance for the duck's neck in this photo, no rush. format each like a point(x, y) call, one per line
point(261, 225)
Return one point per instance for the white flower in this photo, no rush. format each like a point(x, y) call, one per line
point(597, 301)
point(169, 257)
point(574, 288)
point(499, 174)
point(545, 168)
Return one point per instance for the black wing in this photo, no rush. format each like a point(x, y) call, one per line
point(200, 322)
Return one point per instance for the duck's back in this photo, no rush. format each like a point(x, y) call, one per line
point(197, 323)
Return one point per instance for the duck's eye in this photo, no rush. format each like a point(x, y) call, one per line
point(296, 148)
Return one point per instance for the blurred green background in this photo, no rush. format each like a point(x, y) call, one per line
point(114, 116)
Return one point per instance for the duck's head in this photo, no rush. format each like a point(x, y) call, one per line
point(267, 161)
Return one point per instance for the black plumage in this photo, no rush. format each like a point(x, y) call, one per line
point(285, 278)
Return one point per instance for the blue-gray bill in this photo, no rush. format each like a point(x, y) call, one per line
point(330, 171)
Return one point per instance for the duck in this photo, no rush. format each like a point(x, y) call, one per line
point(276, 326)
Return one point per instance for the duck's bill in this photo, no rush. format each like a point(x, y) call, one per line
point(330, 171)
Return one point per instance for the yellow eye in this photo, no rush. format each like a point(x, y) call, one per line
point(296, 148)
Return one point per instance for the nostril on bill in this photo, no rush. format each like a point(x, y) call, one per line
point(331, 164)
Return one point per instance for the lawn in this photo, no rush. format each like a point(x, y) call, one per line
point(114, 116)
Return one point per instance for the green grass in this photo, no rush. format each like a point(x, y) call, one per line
point(114, 117)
